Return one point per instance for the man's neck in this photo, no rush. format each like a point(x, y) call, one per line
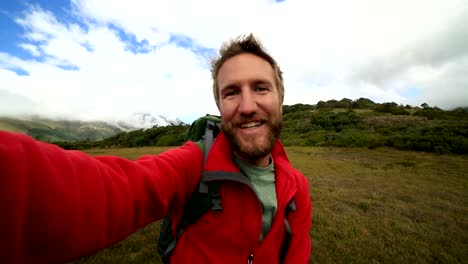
point(261, 162)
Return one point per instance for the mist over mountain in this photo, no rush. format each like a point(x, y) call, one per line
point(62, 129)
point(148, 120)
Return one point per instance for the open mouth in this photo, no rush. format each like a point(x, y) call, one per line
point(251, 125)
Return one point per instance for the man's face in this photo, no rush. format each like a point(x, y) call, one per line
point(250, 106)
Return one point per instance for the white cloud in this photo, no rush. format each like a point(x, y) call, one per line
point(34, 50)
point(327, 50)
point(109, 81)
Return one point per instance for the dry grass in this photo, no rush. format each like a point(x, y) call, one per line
point(370, 206)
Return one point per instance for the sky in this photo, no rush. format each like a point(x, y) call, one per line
point(111, 60)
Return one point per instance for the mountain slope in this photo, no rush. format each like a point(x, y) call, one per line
point(60, 130)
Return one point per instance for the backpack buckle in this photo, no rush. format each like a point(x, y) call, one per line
point(216, 201)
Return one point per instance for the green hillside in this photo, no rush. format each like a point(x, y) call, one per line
point(363, 123)
point(344, 123)
point(59, 130)
point(172, 135)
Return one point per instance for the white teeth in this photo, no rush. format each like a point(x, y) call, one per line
point(251, 124)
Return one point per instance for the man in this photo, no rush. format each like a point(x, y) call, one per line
point(59, 205)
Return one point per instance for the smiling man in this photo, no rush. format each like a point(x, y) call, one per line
point(60, 205)
point(250, 104)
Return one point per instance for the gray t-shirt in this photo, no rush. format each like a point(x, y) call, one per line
point(263, 180)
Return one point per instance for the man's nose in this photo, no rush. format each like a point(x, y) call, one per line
point(248, 103)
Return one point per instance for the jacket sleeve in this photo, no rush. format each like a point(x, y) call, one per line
point(300, 221)
point(58, 205)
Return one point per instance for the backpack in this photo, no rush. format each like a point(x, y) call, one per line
point(203, 132)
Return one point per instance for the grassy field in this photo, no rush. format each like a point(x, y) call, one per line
point(369, 206)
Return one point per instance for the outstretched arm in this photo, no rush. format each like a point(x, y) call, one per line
point(58, 205)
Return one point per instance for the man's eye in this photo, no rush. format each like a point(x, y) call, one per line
point(261, 88)
point(230, 93)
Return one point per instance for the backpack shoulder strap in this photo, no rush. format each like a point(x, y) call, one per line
point(202, 199)
point(208, 140)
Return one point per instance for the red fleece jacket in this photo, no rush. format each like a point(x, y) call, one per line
point(59, 205)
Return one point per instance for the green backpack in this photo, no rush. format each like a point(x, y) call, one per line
point(203, 131)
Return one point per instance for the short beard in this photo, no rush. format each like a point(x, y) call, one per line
point(259, 151)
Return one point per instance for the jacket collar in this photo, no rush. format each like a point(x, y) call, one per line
point(220, 159)
point(220, 156)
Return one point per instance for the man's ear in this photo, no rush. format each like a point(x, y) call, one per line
point(281, 104)
point(217, 105)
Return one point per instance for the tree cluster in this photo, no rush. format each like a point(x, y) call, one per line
point(172, 135)
point(363, 123)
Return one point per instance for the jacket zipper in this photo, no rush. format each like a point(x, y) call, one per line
point(250, 259)
point(240, 178)
point(250, 233)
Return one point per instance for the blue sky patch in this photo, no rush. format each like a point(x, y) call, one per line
point(10, 32)
point(190, 44)
point(19, 72)
point(131, 42)
point(88, 47)
point(69, 67)
point(411, 92)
